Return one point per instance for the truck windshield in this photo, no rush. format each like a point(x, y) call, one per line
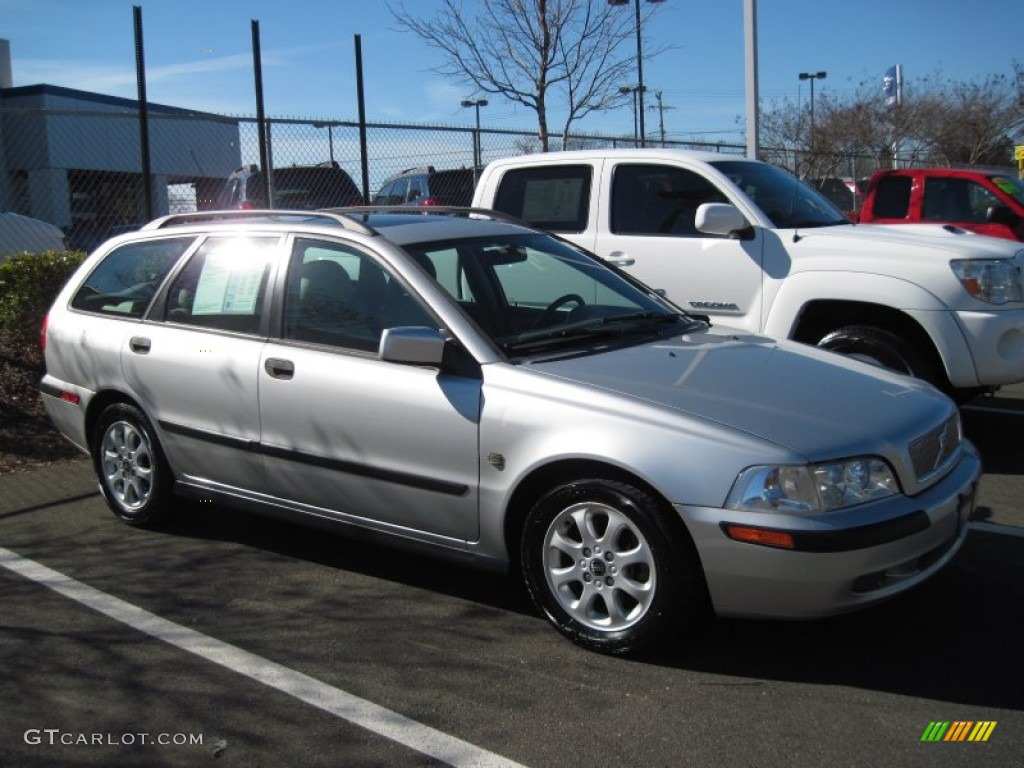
point(788, 202)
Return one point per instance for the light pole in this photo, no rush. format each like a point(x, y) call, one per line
point(637, 117)
point(639, 65)
point(812, 76)
point(330, 137)
point(477, 151)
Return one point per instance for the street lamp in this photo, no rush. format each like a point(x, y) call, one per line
point(812, 76)
point(637, 91)
point(639, 64)
point(477, 151)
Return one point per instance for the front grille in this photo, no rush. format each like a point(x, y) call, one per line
point(933, 451)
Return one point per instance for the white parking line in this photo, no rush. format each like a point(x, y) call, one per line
point(1005, 530)
point(379, 720)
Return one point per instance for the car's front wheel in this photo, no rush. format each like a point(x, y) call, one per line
point(610, 568)
point(130, 465)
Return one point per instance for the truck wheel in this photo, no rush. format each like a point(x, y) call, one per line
point(609, 566)
point(882, 348)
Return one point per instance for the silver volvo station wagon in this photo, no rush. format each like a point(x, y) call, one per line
point(469, 386)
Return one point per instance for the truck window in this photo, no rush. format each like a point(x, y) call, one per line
point(659, 200)
point(955, 200)
point(892, 197)
point(556, 198)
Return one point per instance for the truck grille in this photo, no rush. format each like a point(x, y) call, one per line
point(935, 450)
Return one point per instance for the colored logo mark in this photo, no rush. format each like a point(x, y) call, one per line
point(959, 730)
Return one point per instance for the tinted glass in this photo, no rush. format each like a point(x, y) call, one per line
point(126, 280)
point(786, 201)
point(553, 197)
point(892, 197)
point(340, 296)
point(659, 200)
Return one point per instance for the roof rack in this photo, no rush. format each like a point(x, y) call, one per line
point(268, 215)
point(417, 210)
point(352, 218)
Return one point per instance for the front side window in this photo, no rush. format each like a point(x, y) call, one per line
point(532, 292)
point(126, 280)
point(224, 284)
point(784, 199)
point(340, 296)
point(659, 200)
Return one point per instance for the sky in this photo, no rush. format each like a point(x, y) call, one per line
point(199, 56)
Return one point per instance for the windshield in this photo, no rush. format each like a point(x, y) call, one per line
point(1010, 186)
point(533, 293)
point(788, 202)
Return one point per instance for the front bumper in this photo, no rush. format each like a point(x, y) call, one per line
point(848, 560)
point(996, 340)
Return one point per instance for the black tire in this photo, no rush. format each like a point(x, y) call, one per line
point(884, 349)
point(575, 541)
point(133, 474)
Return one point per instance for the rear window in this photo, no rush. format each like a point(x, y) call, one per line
point(555, 198)
point(892, 197)
point(126, 280)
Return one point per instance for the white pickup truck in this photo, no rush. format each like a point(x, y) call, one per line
point(751, 246)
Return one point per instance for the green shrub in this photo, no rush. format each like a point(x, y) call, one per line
point(29, 282)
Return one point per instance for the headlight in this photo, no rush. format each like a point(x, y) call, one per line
point(995, 281)
point(813, 488)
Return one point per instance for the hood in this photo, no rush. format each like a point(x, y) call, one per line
point(813, 402)
point(951, 240)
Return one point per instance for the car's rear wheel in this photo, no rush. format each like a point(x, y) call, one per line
point(130, 465)
point(609, 567)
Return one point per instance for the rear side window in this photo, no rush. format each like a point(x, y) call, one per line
point(125, 281)
point(555, 198)
point(224, 285)
point(892, 197)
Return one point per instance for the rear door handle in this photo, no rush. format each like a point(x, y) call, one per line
point(278, 368)
point(140, 345)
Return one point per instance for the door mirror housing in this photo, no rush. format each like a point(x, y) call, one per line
point(412, 345)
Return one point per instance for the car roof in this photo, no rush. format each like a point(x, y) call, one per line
point(395, 223)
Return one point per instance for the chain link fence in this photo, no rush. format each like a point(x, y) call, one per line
point(77, 165)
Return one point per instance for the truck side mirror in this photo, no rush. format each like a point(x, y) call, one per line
point(1001, 214)
point(719, 219)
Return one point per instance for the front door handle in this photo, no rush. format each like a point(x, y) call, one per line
point(278, 368)
point(620, 259)
point(140, 345)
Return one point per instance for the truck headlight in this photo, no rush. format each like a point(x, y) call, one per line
point(995, 281)
point(809, 489)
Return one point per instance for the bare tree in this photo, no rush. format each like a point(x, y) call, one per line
point(939, 122)
point(533, 51)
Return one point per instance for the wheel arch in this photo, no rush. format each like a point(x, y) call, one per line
point(822, 316)
point(542, 479)
point(99, 403)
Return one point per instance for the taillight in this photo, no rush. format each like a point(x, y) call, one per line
point(245, 205)
point(430, 201)
point(42, 333)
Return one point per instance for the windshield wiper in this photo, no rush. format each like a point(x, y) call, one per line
point(615, 326)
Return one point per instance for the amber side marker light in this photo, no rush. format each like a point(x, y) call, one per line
point(761, 536)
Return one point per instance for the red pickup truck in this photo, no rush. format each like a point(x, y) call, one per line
point(989, 203)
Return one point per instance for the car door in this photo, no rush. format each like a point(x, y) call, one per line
point(347, 435)
point(648, 229)
point(193, 365)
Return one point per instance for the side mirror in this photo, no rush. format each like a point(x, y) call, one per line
point(1001, 214)
point(719, 219)
point(412, 345)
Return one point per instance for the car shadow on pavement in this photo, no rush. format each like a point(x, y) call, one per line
point(955, 638)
